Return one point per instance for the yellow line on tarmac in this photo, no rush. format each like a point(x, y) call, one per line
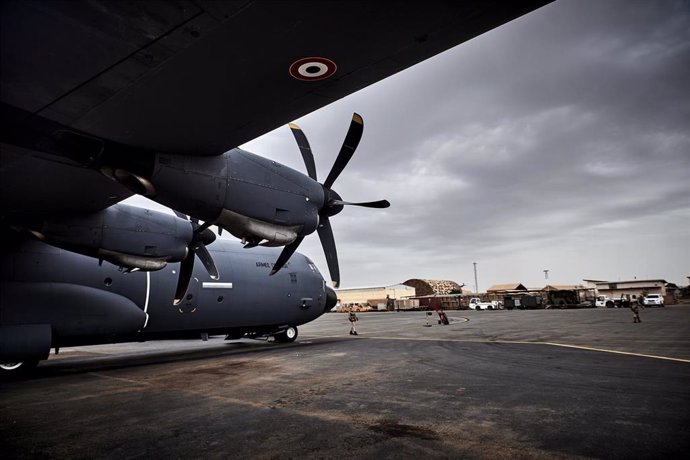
point(518, 342)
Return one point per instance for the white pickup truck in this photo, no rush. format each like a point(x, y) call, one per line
point(478, 304)
point(615, 302)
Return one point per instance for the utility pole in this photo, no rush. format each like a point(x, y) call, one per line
point(546, 274)
point(476, 285)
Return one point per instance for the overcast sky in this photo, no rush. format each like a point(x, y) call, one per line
point(558, 141)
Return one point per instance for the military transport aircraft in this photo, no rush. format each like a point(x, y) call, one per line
point(103, 99)
point(79, 302)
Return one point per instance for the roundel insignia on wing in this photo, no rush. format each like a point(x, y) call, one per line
point(312, 69)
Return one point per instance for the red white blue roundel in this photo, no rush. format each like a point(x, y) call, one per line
point(312, 68)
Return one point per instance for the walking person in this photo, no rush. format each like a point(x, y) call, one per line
point(352, 318)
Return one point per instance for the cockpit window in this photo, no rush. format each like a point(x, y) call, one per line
point(311, 265)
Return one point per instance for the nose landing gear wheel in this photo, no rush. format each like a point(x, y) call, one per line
point(288, 335)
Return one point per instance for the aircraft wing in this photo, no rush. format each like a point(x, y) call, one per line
point(200, 77)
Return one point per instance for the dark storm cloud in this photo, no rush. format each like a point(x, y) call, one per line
point(562, 131)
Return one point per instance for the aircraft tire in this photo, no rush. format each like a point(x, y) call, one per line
point(20, 369)
point(287, 336)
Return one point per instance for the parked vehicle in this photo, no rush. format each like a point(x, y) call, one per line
point(523, 302)
point(612, 302)
point(564, 298)
point(478, 304)
point(623, 301)
point(653, 300)
point(604, 301)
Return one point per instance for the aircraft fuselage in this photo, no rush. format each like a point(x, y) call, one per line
point(50, 297)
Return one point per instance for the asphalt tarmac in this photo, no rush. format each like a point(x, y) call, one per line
point(492, 384)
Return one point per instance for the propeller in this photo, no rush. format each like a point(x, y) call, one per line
point(333, 203)
point(201, 237)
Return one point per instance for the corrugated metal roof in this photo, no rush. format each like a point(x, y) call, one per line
point(630, 281)
point(507, 287)
point(562, 287)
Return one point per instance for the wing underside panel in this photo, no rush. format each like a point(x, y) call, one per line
point(203, 77)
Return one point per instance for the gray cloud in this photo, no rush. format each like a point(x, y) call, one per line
point(560, 141)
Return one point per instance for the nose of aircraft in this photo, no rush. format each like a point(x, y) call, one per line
point(331, 299)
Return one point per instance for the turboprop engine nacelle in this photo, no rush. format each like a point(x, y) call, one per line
point(128, 236)
point(254, 198)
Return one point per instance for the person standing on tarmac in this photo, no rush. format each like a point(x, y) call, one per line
point(635, 308)
point(352, 318)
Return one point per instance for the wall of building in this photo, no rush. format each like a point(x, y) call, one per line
point(362, 295)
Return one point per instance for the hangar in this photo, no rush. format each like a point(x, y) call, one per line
point(437, 294)
point(426, 287)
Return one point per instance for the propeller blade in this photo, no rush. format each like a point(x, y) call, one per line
point(204, 235)
point(304, 147)
point(207, 260)
point(197, 247)
point(288, 251)
point(354, 135)
point(381, 204)
point(328, 242)
point(186, 270)
point(202, 227)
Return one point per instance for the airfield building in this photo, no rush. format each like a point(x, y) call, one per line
point(373, 295)
point(633, 288)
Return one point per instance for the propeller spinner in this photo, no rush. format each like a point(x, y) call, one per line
point(333, 203)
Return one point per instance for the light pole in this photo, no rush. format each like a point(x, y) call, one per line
point(546, 274)
point(476, 285)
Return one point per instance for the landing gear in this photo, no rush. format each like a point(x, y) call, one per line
point(288, 335)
